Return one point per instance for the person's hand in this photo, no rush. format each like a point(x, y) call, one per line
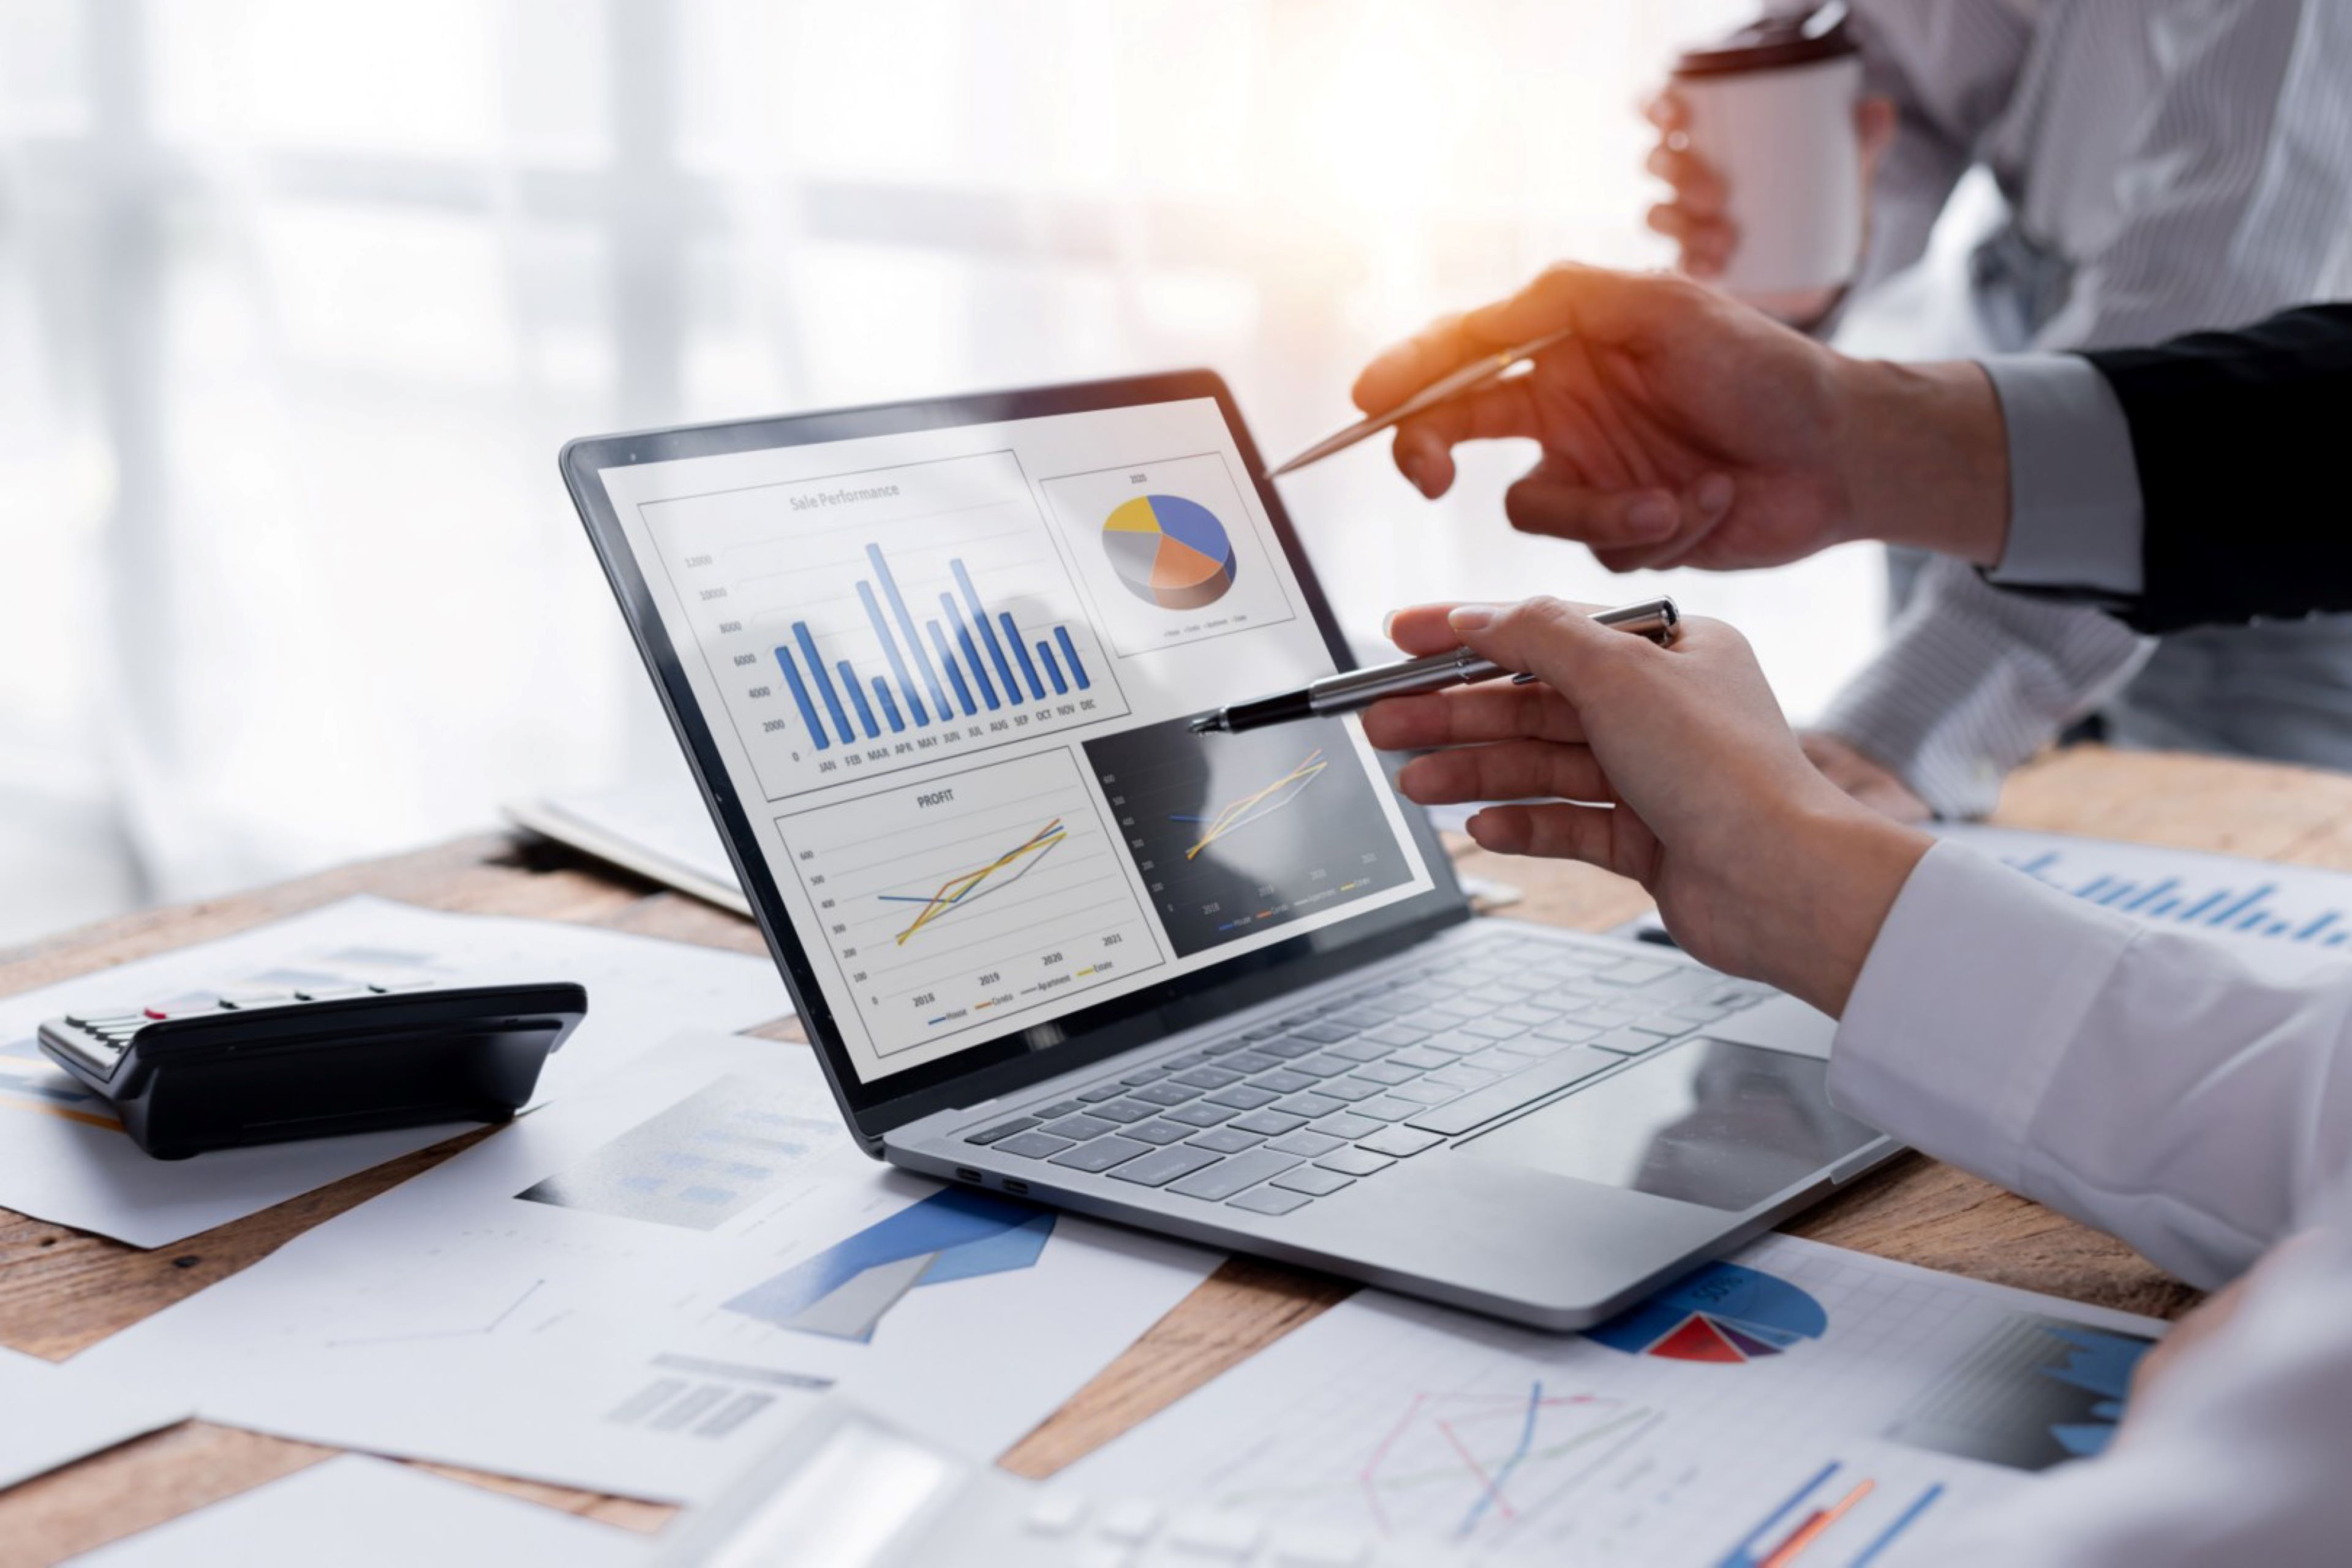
point(1680, 428)
point(1669, 765)
point(1876, 787)
point(1696, 212)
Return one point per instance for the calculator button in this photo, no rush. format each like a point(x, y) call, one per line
point(155, 1013)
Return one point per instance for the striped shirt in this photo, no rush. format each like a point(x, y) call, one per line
point(2167, 165)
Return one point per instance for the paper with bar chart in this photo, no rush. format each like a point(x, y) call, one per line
point(1800, 1406)
point(969, 899)
point(1169, 550)
point(863, 622)
point(2281, 917)
point(1235, 834)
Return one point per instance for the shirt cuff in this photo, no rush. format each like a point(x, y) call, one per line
point(1978, 981)
point(2075, 512)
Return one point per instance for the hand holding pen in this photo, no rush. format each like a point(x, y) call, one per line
point(1353, 691)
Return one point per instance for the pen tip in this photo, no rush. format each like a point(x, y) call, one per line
point(1208, 722)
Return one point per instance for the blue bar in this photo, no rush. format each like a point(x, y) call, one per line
point(2090, 889)
point(2202, 905)
point(914, 643)
point(987, 638)
point(2243, 905)
point(972, 658)
point(890, 651)
point(2039, 863)
point(1053, 671)
point(858, 698)
point(2276, 928)
point(891, 709)
point(823, 686)
point(2252, 921)
point(2334, 939)
point(2316, 927)
point(1070, 654)
point(1028, 670)
point(800, 695)
point(1903, 1522)
point(2165, 908)
point(955, 676)
point(2157, 891)
point(2118, 892)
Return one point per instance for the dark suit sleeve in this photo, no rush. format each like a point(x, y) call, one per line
point(2243, 444)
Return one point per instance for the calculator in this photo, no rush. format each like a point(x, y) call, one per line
point(268, 1067)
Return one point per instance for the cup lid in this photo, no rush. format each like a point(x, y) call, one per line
point(1771, 43)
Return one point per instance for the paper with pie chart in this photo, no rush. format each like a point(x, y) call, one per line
point(1170, 551)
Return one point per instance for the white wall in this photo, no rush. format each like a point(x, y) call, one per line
point(297, 302)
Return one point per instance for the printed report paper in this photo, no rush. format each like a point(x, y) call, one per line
point(66, 1158)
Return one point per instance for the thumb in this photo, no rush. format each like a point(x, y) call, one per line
point(1558, 643)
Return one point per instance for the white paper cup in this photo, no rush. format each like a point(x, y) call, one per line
point(1771, 110)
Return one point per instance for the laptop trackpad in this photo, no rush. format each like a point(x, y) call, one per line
point(1706, 1122)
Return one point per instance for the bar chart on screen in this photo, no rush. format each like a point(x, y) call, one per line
point(969, 898)
point(856, 624)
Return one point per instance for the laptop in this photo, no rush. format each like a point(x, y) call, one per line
point(934, 666)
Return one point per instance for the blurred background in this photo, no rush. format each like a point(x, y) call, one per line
point(298, 301)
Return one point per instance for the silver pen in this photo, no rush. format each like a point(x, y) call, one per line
point(1656, 619)
point(1476, 374)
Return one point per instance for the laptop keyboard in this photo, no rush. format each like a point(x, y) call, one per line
point(1274, 1116)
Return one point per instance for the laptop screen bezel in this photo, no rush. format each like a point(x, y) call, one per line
point(1023, 1056)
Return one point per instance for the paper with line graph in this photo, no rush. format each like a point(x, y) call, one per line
point(1800, 1406)
point(633, 1289)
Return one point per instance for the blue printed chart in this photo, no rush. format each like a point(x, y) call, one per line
point(855, 623)
point(2289, 913)
point(1724, 1312)
point(845, 1291)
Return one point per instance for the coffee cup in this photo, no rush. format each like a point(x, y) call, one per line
point(1771, 109)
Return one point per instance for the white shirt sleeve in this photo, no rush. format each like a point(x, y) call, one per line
point(2149, 1084)
point(2145, 1082)
point(2075, 514)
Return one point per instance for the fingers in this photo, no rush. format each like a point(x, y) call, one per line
point(1698, 189)
point(1505, 769)
point(1559, 643)
point(1608, 308)
point(1471, 716)
point(1424, 446)
point(1874, 122)
point(1563, 832)
point(1706, 242)
point(1619, 520)
point(1667, 111)
point(1397, 373)
point(1423, 628)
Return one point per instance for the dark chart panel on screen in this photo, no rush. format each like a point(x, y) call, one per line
point(1234, 834)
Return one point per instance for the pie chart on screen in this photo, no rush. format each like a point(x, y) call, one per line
point(1169, 551)
point(1722, 1313)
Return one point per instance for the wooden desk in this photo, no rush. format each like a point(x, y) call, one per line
point(62, 1290)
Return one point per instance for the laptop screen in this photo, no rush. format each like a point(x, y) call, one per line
point(949, 673)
